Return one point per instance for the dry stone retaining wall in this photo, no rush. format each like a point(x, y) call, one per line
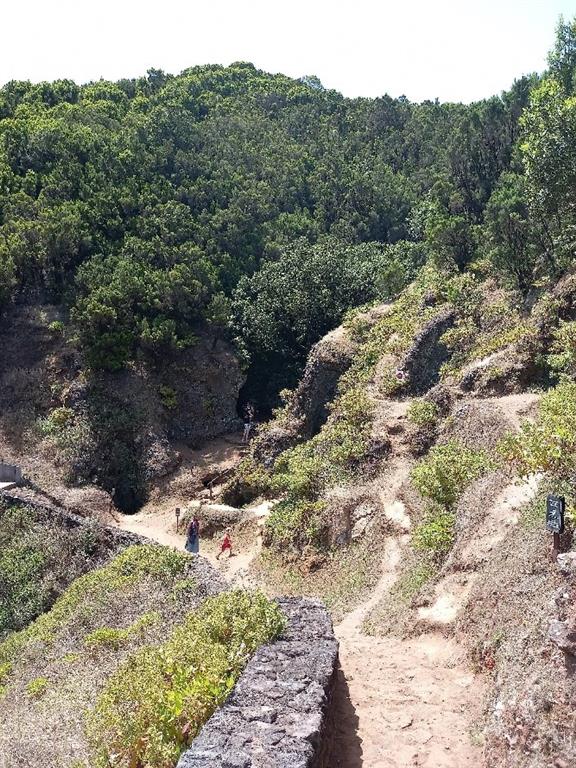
point(276, 717)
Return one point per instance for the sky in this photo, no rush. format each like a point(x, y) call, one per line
point(453, 50)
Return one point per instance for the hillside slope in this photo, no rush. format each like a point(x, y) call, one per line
point(402, 510)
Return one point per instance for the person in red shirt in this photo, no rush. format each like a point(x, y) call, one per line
point(226, 545)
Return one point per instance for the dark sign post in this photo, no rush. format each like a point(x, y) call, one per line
point(177, 513)
point(555, 506)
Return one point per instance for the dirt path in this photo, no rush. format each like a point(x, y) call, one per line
point(159, 527)
point(402, 703)
point(398, 703)
point(452, 591)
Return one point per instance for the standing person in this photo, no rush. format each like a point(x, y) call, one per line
point(226, 546)
point(248, 422)
point(193, 536)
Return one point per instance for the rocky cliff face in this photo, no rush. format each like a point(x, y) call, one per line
point(68, 426)
point(307, 407)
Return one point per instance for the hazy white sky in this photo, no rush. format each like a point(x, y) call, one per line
point(457, 50)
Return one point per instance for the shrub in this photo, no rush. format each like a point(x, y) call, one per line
point(56, 327)
point(37, 560)
point(168, 397)
point(56, 421)
point(414, 578)
point(436, 533)
point(296, 523)
point(106, 637)
point(129, 567)
point(37, 688)
point(447, 470)
point(548, 444)
point(562, 357)
point(158, 700)
point(422, 413)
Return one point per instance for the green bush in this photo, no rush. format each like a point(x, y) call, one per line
point(548, 444)
point(56, 327)
point(37, 688)
point(37, 560)
point(157, 701)
point(5, 669)
point(109, 637)
point(447, 470)
point(294, 523)
point(106, 637)
point(436, 533)
point(132, 565)
point(168, 397)
point(304, 471)
point(562, 357)
point(56, 421)
point(422, 413)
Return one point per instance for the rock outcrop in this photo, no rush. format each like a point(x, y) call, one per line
point(277, 715)
point(327, 361)
point(427, 353)
point(503, 373)
point(111, 429)
point(307, 407)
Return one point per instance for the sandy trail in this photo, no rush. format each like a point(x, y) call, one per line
point(402, 703)
point(159, 527)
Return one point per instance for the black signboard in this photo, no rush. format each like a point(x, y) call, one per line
point(555, 514)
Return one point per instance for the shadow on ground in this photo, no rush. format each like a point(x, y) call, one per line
point(346, 747)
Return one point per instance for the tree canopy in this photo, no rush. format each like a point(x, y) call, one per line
point(267, 205)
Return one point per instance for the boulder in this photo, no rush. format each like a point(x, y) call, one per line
point(566, 563)
point(563, 635)
point(217, 517)
point(502, 373)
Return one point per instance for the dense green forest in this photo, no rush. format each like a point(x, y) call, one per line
point(266, 206)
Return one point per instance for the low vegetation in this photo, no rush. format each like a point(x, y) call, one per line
point(422, 413)
point(38, 559)
point(302, 474)
point(127, 665)
point(157, 701)
point(447, 470)
point(548, 444)
point(441, 478)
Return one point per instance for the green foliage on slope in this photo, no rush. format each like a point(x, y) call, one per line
point(157, 701)
point(128, 664)
point(142, 204)
point(38, 559)
point(124, 571)
point(549, 443)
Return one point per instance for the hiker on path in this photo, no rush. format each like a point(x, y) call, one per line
point(248, 422)
point(226, 546)
point(193, 536)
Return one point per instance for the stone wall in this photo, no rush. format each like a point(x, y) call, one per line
point(277, 715)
